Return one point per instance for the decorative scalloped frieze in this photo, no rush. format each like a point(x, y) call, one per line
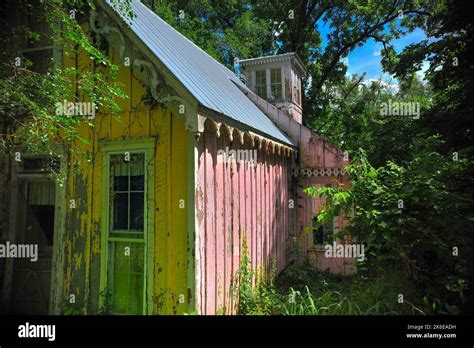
point(318, 172)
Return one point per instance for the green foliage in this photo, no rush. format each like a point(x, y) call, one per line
point(354, 119)
point(68, 308)
point(105, 297)
point(254, 291)
point(219, 29)
point(410, 198)
point(30, 93)
point(412, 217)
point(302, 290)
point(448, 50)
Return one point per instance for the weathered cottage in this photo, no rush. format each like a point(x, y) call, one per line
point(154, 218)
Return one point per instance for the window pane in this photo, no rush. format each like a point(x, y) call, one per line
point(127, 280)
point(136, 182)
point(328, 231)
point(128, 177)
point(119, 301)
point(136, 211)
point(121, 183)
point(137, 164)
point(276, 75)
point(119, 281)
point(137, 172)
point(136, 278)
point(276, 92)
point(318, 236)
point(136, 294)
point(261, 83)
point(136, 258)
point(120, 209)
point(261, 77)
point(275, 83)
point(119, 171)
point(262, 92)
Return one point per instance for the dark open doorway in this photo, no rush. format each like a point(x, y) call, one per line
point(31, 280)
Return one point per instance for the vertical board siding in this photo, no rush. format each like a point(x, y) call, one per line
point(234, 230)
point(241, 200)
point(220, 227)
point(85, 169)
point(200, 246)
point(209, 257)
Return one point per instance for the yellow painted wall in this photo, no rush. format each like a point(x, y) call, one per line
point(84, 185)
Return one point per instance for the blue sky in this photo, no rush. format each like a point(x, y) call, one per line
point(367, 57)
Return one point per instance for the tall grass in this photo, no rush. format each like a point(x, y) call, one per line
point(301, 290)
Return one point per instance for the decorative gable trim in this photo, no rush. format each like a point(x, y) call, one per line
point(165, 89)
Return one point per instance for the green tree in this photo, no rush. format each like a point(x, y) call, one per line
point(412, 217)
point(424, 165)
point(243, 29)
point(449, 50)
point(30, 88)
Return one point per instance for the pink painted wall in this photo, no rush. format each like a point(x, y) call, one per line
point(315, 256)
point(234, 199)
point(308, 206)
point(316, 153)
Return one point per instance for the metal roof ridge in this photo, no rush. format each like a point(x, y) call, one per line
point(214, 85)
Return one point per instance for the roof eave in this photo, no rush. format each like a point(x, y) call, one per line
point(207, 112)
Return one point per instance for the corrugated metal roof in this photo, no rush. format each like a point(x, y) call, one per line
point(211, 83)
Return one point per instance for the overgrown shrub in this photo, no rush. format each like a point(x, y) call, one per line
point(415, 217)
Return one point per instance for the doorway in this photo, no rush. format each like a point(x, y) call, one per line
point(35, 221)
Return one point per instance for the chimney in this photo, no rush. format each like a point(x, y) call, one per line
point(277, 79)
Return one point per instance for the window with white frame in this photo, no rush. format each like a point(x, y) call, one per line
point(275, 84)
point(297, 89)
point(261, 83)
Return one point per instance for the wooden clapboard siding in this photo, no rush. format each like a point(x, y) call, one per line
point(237, 200)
